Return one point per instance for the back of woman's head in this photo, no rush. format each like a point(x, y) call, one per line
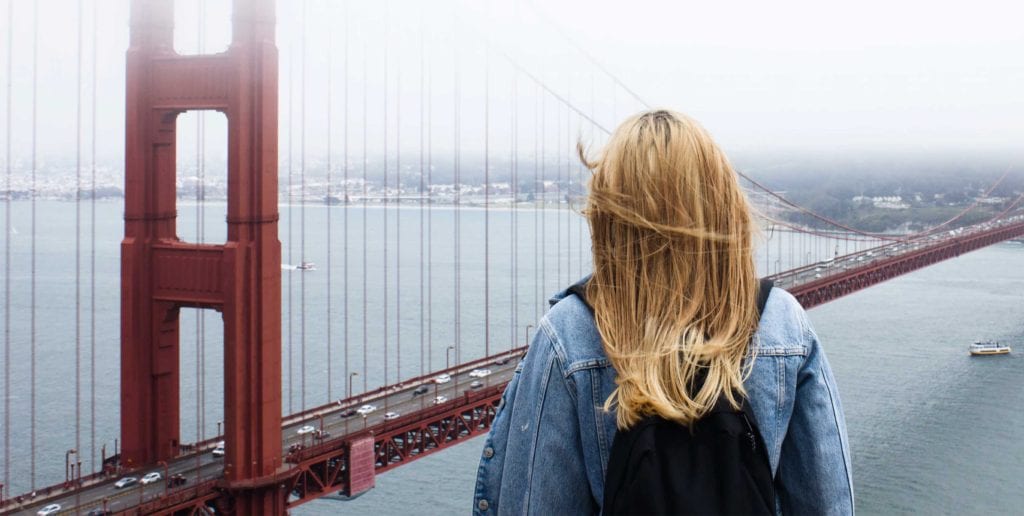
point(674, 287)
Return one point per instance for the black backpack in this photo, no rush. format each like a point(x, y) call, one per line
point(719, 465)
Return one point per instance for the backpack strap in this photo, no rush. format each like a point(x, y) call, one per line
point(764, 289)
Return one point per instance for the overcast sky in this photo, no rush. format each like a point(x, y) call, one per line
point(764, 77)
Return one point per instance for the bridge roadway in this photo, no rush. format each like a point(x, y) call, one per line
point(203, 466)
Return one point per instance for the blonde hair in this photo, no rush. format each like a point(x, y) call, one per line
point(674, 287)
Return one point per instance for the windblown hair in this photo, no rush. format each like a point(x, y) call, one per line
point(674, 287)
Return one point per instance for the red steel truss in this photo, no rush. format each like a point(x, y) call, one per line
point(835, 286)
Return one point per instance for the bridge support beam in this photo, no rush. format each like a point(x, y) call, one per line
point(241, 278)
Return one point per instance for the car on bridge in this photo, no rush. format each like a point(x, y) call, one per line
point(479, 373)
point(177, 480)
point(443, 378)
point(349, 412)
point(126, 482)
point(476, 384)
point(150, 478)
point(219, 450)
point(53, 508)
point(365, 410)
point(439, 400)
point(308, 429)
point(390, 416)
point(422, 389)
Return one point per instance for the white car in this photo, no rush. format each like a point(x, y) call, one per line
point(53, 508)
point(219, 450)
point(308, 429)
point(150, 478)
point(390, 415)
point(479, 373)
point(442, 378)
point(366, 409)
point(126, 482)
point(439, 400)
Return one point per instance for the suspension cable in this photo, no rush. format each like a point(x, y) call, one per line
point(291, 220)
point(35, 169)
point(421, 192)
point(7, 254)
point(384, 197)
point(92, 257)
point(329, 321)
point(487, 202)
point(365, 193)
point(302, 208)
point(78, 232)
point(347, 208)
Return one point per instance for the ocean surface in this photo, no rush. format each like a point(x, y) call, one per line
point(932, 430)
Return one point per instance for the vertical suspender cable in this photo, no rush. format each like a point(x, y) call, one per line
point(291, 219)
point(487, 200)
point(330, 203)
point(345, 206)
point(302, 210)
point(430, 218)
point(7, 255)
point(568, 193)
point(458, 198)
point(200, 234)
point(558, 198)
point(35, 149)
point(387, 27)
point(398, 221)
point(422, 189)
point(199, 229)
point(537, 302)
point(365, 192)
point(78, 232)
point(543, 201)
point(92, 257)
point(514, 212)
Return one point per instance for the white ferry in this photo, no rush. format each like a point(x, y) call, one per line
point(989, 348)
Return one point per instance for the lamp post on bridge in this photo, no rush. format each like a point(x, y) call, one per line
point(166, 479)
point(350, 376)
point(528, 326)
point(68, 467)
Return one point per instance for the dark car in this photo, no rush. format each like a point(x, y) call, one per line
point(177, 480)
point(349, 412)
point(422, 389)
point(502, 361)
point(98, 512)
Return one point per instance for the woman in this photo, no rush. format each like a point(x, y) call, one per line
point(674, 294)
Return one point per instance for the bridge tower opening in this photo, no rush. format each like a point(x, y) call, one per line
point(160, 274)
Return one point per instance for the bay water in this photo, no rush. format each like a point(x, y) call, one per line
point(932, 430)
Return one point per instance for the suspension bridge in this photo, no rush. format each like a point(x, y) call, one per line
point(402, 249)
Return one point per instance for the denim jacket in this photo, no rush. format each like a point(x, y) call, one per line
point(548, 447)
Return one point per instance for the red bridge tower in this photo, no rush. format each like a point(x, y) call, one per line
point(241, 278)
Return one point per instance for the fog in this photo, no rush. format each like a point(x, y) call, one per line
point(774, 82)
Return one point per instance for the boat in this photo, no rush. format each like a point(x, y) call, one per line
point(306, 266)
point(988, 347)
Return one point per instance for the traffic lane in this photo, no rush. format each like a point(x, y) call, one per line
point(407, 404)
point(93, 496)
point(454, 387)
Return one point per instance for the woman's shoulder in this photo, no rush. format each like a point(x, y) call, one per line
point(569, 325)
point(783, 328)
